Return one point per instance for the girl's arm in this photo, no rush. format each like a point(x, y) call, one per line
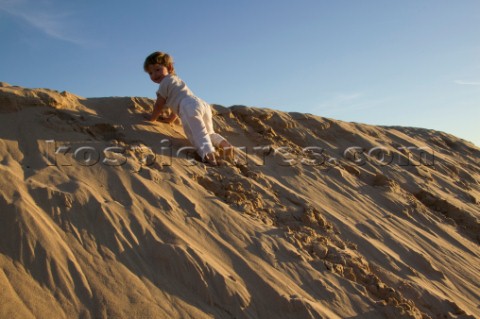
point(157, 108)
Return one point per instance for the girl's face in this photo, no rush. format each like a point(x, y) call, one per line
point(157, 72)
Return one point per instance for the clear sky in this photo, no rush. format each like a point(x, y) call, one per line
point(410, 62)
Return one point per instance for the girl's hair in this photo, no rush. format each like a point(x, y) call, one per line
point(159, 58)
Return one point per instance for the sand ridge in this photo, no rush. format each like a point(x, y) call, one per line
point(104, 215)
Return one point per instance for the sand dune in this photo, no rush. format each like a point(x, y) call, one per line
point(104, 215)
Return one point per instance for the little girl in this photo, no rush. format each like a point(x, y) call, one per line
point(196, 114)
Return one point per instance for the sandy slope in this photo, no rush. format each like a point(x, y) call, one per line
point(99, 221)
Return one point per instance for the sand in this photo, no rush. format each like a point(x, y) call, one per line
point(105, 215)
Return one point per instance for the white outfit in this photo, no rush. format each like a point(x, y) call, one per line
point(196, 114)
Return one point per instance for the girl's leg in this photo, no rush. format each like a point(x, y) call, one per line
point(196, 131)
point(217, 140)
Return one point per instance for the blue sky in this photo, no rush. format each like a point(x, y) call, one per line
point(410, 63)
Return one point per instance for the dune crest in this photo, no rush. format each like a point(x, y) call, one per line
point(104, 215)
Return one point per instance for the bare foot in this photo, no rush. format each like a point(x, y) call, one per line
point(228, 151)
point(210, 158)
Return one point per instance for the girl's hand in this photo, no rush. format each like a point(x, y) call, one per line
point(163, 119)
point(168, 119)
